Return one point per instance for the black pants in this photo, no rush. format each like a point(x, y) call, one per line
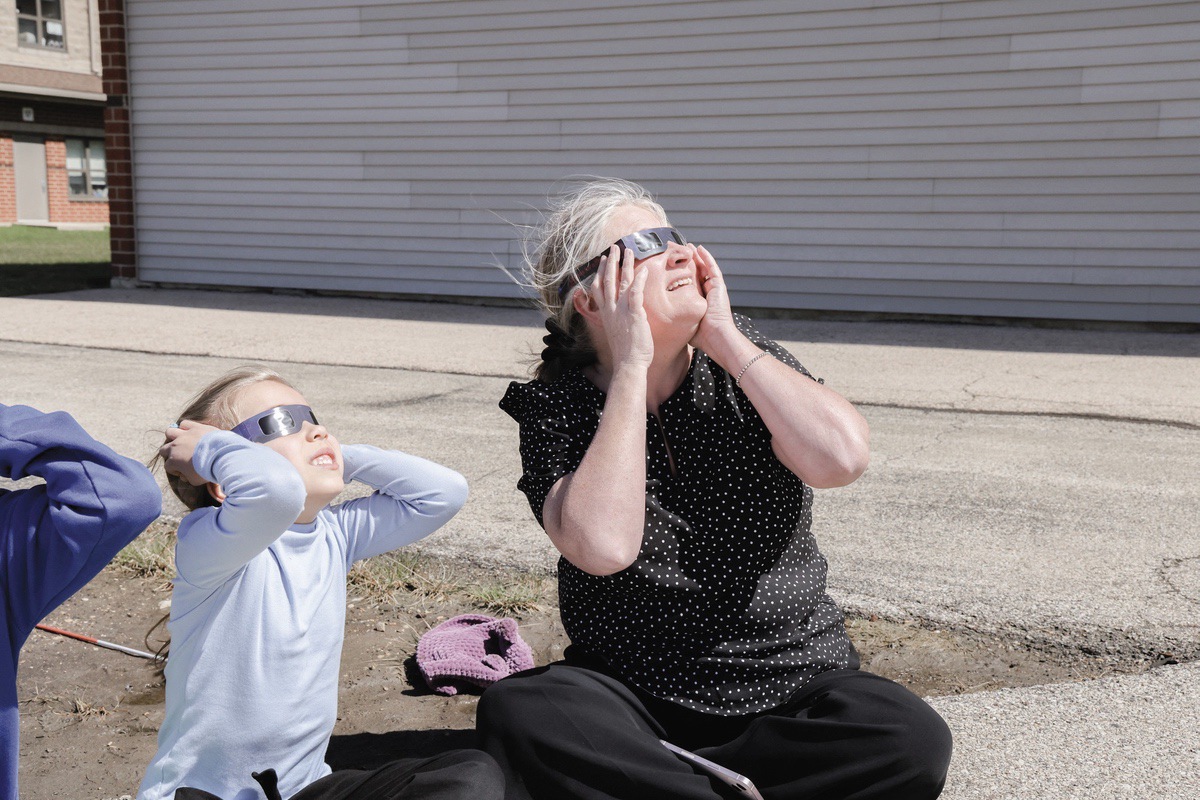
point(456, 775)
point(567, 731)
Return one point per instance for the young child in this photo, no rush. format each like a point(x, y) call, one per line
point(259, 603)
point(56, 536)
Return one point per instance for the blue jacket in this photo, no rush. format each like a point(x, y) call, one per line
point(55, 537)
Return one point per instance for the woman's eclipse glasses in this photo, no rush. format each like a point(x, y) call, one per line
point(274, 423)
point(644, 244)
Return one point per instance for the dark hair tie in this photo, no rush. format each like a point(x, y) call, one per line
point(559, 342)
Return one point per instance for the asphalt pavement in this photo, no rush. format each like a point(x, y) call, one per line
point(1039, 484)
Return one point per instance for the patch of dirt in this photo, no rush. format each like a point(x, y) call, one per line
point(89, 717)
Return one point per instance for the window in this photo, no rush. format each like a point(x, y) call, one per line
point(40, 24)
point(86, 175)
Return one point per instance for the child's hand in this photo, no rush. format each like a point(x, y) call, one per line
point(181, 444)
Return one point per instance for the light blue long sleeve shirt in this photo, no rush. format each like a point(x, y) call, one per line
point(258, 611)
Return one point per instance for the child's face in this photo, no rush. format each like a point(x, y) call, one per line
point(314, 453)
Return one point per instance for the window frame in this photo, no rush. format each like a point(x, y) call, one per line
point(40, 21)
point(86, 171)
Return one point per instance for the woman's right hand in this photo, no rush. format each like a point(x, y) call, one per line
point(181, 443)
point(618, 294)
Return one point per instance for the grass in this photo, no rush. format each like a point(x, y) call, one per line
point(151, 555)
point(393, 575)
point(515, 595)
point(36, 260)
point(401, 576)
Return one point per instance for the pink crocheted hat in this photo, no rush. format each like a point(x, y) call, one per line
point(471, 650)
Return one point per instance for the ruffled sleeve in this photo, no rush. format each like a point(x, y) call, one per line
point(556, 427)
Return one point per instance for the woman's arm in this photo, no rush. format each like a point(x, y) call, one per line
point(595, 516)
point(815, 432)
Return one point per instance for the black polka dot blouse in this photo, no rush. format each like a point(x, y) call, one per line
point(724, 611)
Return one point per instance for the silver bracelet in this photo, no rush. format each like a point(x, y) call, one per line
point(749, 364)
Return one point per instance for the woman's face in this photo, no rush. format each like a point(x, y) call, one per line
point(674, 298)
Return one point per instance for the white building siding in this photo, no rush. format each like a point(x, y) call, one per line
point(986, 157)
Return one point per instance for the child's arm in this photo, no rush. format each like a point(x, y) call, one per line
point(263, 497)
point(55, 537)
point(414, 498)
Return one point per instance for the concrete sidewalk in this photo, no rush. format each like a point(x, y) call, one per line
point(1035, 484)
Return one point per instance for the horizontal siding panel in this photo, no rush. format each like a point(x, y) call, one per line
point(1117, 312)
point(295, 185)
point(858, 204)
point(382, 265)
point(956, 289)
point(733, 33)
point(512, 44)
point(1124, 92)
point(967, 257)
point(347, 27)
point(1132, 34)
point(770, 187)
point(965, 101)
point(170, 194)
point(185, 141)
point(1103, 56)
point(179, 273)
point(578, 75)
point(671, 53)
point(382, 52)
point(1179, 127)
point(292, 93)
point(163, 51)
point(481, 150)
point(647, 20)
point(677, 87)
point(1003, 274)
point(1045, 12)
point(217, 217)
point(882, 119)
point(381, 239)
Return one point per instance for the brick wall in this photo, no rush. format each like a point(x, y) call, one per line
point(117, 142)
point(8, 186)
point(63, 207)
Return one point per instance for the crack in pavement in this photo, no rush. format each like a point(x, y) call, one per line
point(406, 401)
point(1173, 564)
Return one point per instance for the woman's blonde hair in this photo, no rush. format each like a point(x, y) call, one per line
point(573, 231)
point(213, 405)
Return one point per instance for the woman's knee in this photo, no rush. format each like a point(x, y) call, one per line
point(513, 705)
point(912, 741)
point(922, 745)
point(476, 771)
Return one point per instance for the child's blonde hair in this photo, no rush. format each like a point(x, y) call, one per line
point(213, 405)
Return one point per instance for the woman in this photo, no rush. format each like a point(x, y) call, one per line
point(668, 450)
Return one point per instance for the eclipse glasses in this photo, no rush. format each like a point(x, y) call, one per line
point(644, 244)
point(274, 423)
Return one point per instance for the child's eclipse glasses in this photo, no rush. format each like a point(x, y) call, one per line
point(274, 423)
point(644, 244)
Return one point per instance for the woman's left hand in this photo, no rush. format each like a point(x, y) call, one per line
point(718, 318)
